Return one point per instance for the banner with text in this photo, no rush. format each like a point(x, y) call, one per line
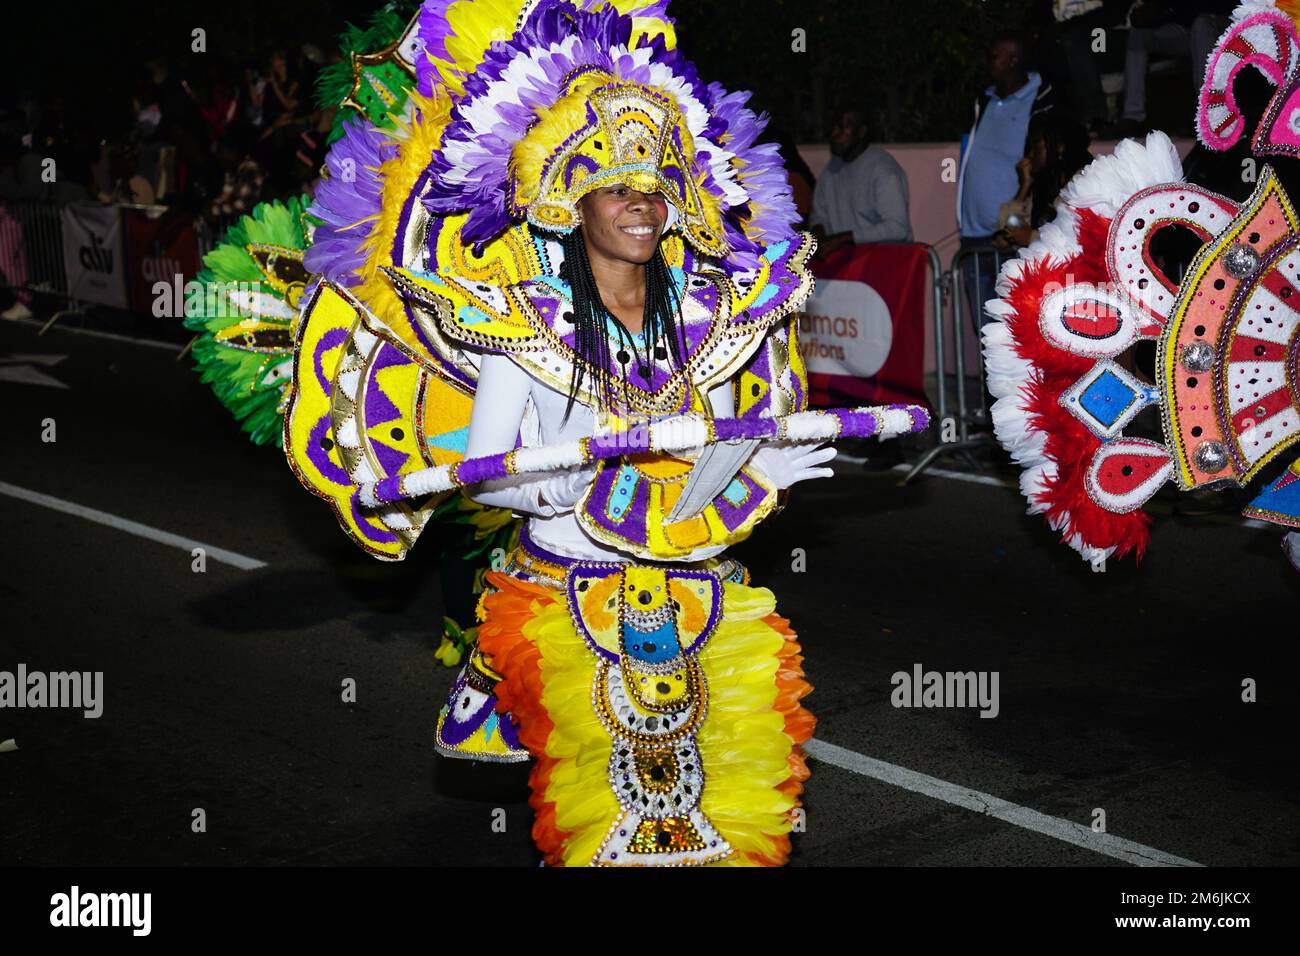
point(862, 332)
point(92, 254)
point(159, 248)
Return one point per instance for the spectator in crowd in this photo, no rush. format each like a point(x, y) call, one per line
point(861, 195)
point(286, 112)
point(13, 265)
point(147, 148)
point(20, 171)
point(1056, 147)
point(283, 94)
point(802, 181)
point(18, 180)
point(254, 96)
point(242, 180)
point(126, 184)
point(1160, 27)
point(219, 109)
point(994, 147)
point(1081, 55)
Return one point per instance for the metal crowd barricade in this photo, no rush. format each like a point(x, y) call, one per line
point(965, 277)
point(938, 295)
point(31, 252)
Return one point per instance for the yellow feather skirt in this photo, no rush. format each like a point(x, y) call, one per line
point(748, 744)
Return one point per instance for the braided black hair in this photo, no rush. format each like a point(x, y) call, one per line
point(591, 341)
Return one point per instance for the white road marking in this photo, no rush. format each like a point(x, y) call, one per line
point(131, 527)
point(26, 375)
point(45, 358)
point(985, 803)
point(1253, 523)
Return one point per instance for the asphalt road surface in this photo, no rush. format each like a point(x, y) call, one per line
point(1120, 693)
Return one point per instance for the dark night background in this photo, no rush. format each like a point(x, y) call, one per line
point(916, 73)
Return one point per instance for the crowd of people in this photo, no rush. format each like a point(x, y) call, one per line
point(1031, 132)
point(214, 144)
point(1032, 125)
point(211, 145)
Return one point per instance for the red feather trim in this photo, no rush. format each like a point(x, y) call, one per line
point(1069, 443)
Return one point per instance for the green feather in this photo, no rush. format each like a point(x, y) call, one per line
point(335, 81)
point(235, 374)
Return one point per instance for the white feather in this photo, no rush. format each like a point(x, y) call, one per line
point(1108, 182)
point(1250, 7)
point(1103, 187)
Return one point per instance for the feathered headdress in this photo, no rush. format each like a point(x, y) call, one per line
point(519, 108)
point(551, 99)
point(1080, 296)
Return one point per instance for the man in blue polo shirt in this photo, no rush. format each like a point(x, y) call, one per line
point(995, 144)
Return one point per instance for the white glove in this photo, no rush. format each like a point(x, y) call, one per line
point(562, 491)
point(785, 463)
point(1291, 548)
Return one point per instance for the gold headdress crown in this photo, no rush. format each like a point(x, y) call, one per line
point(606, 131)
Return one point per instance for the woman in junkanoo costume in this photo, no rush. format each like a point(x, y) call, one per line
point(629, 719)
point(567, 282)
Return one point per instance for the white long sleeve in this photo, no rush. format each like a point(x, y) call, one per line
point(499, 403)
point(722, 400)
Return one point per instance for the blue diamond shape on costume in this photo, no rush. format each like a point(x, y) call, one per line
point(735, 492)
point(1107, 398)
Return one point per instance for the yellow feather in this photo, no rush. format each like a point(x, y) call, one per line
point(416, 141)
point(474, 24)
point(743, 745)
point(553, 126)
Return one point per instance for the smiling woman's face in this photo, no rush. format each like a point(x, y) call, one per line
point(622, 224)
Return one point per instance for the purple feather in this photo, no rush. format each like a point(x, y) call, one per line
point(345, 200)
point(472, 170)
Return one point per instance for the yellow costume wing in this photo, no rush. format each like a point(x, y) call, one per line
point(364, 406)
